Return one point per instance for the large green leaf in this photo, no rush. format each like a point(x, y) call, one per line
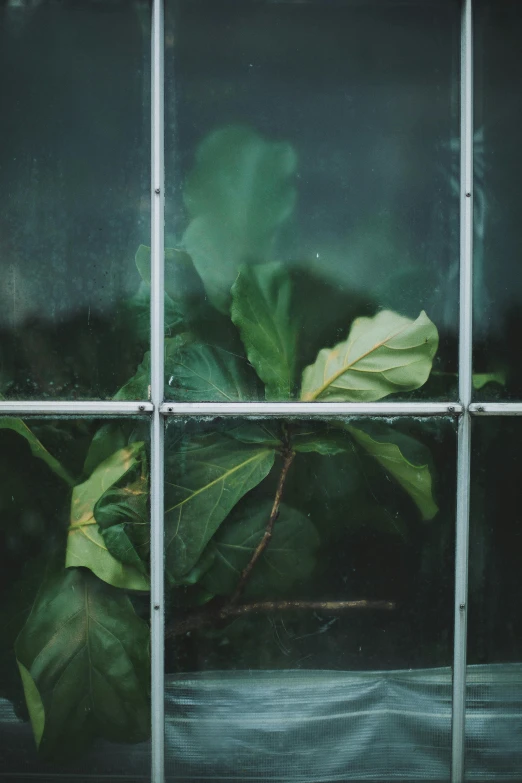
point(84, 659)
point(137, 313)
point(137, 387)
point(301, 437)
point(85, 544)
point(382, 355)
point(122, 514)
point(261, 311)
point(37, 448)
point(182, 283)
point(289, 557)
point(196, 372)
point(388, 448)
point(184, 294)
point(320, 438)
point(238, 195)
point(263, 432)
point(206, 476)
point(110, 437)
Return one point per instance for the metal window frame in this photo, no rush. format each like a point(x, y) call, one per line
point(159, 410)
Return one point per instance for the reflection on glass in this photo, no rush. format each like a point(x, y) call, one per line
point(309, 571)
point(494, 706)
point(74, 161)
point(497, 200)
point(316, 145)
point(74, 659)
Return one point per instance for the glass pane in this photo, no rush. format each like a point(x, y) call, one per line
point(286, 661)
point(74, 605)
point(74, 202)
point(494, 706)
point(497, 200)
point(312, 156)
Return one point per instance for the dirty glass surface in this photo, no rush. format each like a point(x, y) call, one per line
point(340, 629)
point(74, 202)
point(497, 200)
point(312, 163)
point(494, 705)
point(74, 604)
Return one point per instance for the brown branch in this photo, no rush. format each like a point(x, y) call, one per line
point(288, 458)
point(213, 615)
point(220, 610)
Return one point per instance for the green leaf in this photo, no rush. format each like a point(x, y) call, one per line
point(85, 544)
point(238, 195)
point(138, 387)
point(137, 311)
point(415, 479)
point(197, 372)
point(480, 379)
point(289, 557)
point(183, 289)
point(261, 311)
point(205, 478)
point(302, 437)
point(143, 263)
point(34, 704)
point(266, 433)
point(84, 659)
point(382, 355)
point(122, 514)
point(182, 284)
point(373, 516)
point(107, 439)
point(37, 448)
point(320, 438)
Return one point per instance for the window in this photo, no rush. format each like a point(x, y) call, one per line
point(254, 474)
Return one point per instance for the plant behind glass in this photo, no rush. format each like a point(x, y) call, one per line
point(239, 326)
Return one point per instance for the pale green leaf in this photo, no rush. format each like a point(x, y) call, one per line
point(85, 544)
point(261, 311)
point(37, 449)
point(238, 195)
point(86, 657)
point(415, 479)
point(205, 478)
point(289, 557)
point(382, 355)
point(196, 372)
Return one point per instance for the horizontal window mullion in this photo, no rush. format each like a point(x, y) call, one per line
point(496, 408)
point(74, 407)
point(310, 409)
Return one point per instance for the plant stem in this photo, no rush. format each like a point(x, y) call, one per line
point(218, 611)
point(213, 615)
point(288, 458)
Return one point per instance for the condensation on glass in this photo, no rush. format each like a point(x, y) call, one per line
point(494, 678)
point(271, 671)
point(497, 200)
point(74, 202)
point(323, 136)
point(74, 601)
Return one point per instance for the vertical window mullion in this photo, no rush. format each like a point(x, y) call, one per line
point(465, 386)
point(157, 374)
